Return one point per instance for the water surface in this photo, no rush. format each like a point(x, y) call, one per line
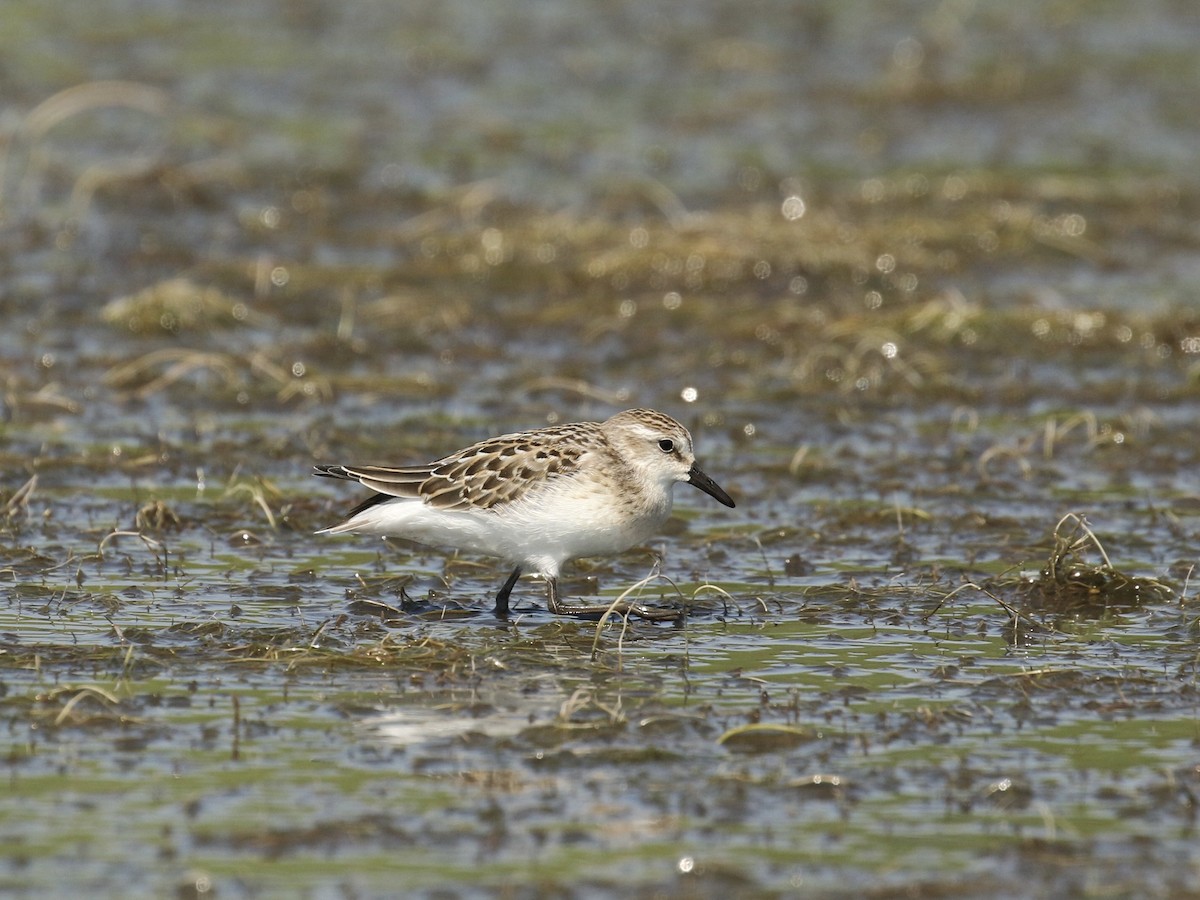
point(919, 278)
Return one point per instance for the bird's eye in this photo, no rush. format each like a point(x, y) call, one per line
point(666, 446)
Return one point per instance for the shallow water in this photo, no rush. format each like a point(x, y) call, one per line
point(921, 280)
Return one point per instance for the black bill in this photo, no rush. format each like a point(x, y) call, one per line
point(710, 487)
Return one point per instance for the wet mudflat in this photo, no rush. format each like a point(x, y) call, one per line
point(922, 282)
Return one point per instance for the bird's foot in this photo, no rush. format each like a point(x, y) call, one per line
point(600, 610)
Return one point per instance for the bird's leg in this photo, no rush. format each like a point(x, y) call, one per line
point(502, 597)
point(596, 610)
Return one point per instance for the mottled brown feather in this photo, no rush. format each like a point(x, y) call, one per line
point(483, 476)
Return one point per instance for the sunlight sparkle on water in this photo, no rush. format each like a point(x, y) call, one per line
point(793, 208)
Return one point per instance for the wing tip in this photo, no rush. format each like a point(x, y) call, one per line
point(324, 471)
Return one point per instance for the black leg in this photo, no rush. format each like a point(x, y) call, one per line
point(596, 610)
point(502, 597)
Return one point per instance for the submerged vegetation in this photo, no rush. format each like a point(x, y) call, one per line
point(944, 645)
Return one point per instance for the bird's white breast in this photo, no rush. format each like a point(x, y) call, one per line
point(565, 519)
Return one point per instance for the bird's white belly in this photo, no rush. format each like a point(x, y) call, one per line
point(539, 532)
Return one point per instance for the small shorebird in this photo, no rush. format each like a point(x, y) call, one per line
point(538, 498)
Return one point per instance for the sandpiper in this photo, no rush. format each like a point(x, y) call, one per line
point(538, 498)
